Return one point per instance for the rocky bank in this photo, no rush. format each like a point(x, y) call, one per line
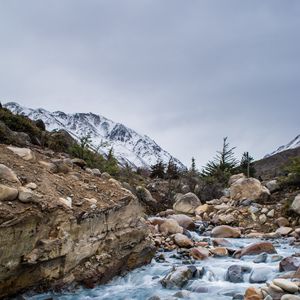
point(62, 224)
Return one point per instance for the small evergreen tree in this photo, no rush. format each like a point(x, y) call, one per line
point(172, 170)
point(223, 165)
point(158, 170)
point(111, 165)
point(193, 170)
point(246, 165)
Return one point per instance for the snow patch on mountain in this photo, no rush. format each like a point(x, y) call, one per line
point(129, 146)
point(295, 143)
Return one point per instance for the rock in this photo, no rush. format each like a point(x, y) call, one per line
point(255, 249)
point(79, 162)
point(183, 241)
point(248, 188)
point(259, 275)
point(284, 230)
point(271, 213)
point(51, 167)
point(105, 175)
point(60, 140)
point(219, 251)
point(7, 193)
point(273, 186)
point(66, 201)
point(170, 226)
point(235, 178)
point(8, 174)
point(62, 166)
point(186, 203)
point(221, 243)
point(179, 277)
point(290, 297)
point(156, 220)
point(199, 253)
point(282, 222)
point(225, 231)
point(25, 153)
point(31, 186)
point(253, 294)
point(296, 204)
point(275, 258)
point(185, 189)
point(96, 172)
point(263, 219)
point(182, 294)
point(261, 258)
point(290, 263)
point(203, 208)
point(286, 285)
point(145, 196)
point(26, 195)
point(235, 273)
point(184, 221)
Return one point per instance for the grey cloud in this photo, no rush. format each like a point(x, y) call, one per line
point(185, 73)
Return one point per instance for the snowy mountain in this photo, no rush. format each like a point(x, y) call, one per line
point(129, 146)
point(295, 143)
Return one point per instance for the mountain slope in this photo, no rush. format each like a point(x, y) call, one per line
point(129, 146)
point(295, 143)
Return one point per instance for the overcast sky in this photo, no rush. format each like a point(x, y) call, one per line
point(186, 73)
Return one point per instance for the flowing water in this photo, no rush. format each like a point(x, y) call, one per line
point(144, 282)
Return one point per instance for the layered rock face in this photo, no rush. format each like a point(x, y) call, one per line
point(73, 228)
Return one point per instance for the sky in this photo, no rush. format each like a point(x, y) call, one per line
point(186, 73)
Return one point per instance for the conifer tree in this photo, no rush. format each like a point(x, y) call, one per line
point(246, 165)
point(111, 165)
point(172, 170)
point(158, 170)
point(223, 164)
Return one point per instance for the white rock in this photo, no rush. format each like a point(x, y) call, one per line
point(25, 153)
point(8, 174)
point(296, 204)
point(286, 285)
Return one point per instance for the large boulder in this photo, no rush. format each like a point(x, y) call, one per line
point(145, 196)
point(249, 188)
point(296, 204)
point(235, 178)
point(225, 231)
point(25, 153)
point(184, 221)
point(290, 263)
point(182, 240)
point(255, 249)
point(273, 185)
point(170, 226)
point(187, 203)
point(8, 174)
point(179, 277)
point(7, 193)
point(235, 273)
point(199, 253)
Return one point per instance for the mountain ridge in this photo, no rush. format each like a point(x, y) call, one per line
point(130, 147)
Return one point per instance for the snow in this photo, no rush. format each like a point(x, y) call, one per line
point(129, 146)
point(295, 143)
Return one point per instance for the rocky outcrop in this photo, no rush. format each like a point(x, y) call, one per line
point(186, 203)
point(97, 233)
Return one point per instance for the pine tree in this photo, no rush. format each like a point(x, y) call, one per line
point(172, 170)
point(223, 165)
point(193, 170)
point(158, 170)
point(111, 165)
point(246, 165)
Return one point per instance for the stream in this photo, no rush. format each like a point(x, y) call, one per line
point(144, 282)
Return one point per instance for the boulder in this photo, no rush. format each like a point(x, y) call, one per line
point(272, 186)
point(183, 241)
point(219, 251)
point(282, 222)
point(290, 297)
point(225, 231)
point(296, 204)
point(62, 166)
point(199, 253)
point(235, 273)
point(31, 185)
point(184, 221)
point(284, 230)
point(271, 213)
point(260, 275)
point(235, 178)
point(25, 153)
point(201, 209)
point(170, 226)
point(79, 162)
point(8, 174)
point(7, 193)
point(255, 249)
point(253, 294)
point(286, 285)
point(179, 277)
point(249, 188)
point(51, 167)
point(145, 196)
point(261, 258)
point(186, 203)
point(290, 263)
point(66, 201)
point(26, 195)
